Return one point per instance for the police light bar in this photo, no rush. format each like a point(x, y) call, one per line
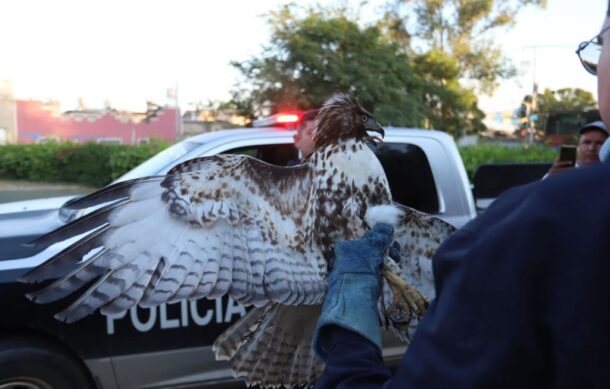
point(280, 119)
point(287, 118)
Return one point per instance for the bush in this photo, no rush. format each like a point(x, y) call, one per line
point(98, 164)
point(89, 164)
point(473, 156)
point(37, 162)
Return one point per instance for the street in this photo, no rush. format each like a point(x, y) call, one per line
point(24, 190)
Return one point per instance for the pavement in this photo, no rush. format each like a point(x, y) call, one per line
point(25, 190)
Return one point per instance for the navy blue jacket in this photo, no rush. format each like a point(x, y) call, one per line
point(523, 299)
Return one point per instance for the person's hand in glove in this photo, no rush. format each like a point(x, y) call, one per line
point(354, 286)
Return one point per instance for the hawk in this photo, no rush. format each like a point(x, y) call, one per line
point(263, 234)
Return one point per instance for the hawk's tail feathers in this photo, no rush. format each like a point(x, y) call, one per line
point(271, 346)
point(230, 341)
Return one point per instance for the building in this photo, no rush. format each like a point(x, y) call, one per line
point(8, 114)
point(31, 121)
point(38, 121)
point(210, 117)
point(501, 123)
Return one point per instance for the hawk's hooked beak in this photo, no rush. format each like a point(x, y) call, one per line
point(372, 125)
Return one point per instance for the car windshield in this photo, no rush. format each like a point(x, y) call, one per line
point(156, 164)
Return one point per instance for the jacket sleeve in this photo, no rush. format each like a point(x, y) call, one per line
point(353, 361)
point(485, 329)
point(480, 329)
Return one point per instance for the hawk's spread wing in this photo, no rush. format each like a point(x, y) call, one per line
point(216, 225)
point(419, 235)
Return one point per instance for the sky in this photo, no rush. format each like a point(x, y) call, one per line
point(542, 46)
point(130, 51)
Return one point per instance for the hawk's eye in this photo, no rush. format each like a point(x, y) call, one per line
point(364, 118)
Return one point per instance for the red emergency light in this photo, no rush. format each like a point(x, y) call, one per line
point(282, 119)
point(287, 118)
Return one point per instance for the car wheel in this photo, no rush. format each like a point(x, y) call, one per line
point(34, 364)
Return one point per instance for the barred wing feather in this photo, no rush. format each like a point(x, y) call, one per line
point(419, 235)
point(213, 226)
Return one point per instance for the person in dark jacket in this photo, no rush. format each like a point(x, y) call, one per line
point(523, 291)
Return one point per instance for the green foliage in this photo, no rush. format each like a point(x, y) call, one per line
point(461, 28)
point(417, 71)
point(455, 53)
point(126, 158)
point(449, 106)
point(565, 100)
point(37, 162)
point(473, 156)
point(88, 164)
point(311, 57)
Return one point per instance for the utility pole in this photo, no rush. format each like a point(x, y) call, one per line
point(178, 114)
point(534, 101)
point(530, 123)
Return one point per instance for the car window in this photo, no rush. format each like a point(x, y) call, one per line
point(278, 154)
point(156, 164)
point(409, 174)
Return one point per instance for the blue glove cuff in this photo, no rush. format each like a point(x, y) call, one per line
point(352, 305)
point(364, 255)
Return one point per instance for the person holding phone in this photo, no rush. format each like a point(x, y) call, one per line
point(592, 137)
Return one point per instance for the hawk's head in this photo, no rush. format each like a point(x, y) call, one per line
point(341, 118)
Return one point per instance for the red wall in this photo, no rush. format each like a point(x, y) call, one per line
point(34, 122)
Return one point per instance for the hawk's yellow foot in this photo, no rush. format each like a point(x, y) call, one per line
point(407, 300)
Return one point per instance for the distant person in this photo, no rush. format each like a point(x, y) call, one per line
point(303, 139)
point(592, 137)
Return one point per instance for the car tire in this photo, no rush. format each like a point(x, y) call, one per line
point(35, 364)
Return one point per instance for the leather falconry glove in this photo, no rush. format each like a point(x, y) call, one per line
point(354, 286)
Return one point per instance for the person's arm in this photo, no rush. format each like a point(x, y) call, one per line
point(347, 335)
point(484, 329)
point(559, 167)
point(353, 361)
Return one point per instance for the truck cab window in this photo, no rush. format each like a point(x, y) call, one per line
point(278, 154)
point(409, 174)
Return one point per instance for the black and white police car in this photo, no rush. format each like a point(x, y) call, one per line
point(169, 346)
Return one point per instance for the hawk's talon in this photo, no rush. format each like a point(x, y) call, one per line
point(407, 300)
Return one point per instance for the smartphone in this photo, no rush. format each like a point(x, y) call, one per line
point(568, 153)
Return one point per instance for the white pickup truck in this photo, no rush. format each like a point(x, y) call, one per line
point(170, 345)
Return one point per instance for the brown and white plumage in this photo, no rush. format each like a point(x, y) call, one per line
point(235, 225)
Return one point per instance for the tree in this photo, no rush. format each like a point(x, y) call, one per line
point(449, 106)
point(312, 56)
point(422, 72)
point(568, 100)
point(460, 28)
point(565, 99)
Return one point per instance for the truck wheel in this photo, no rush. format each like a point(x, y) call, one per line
point(34, 364)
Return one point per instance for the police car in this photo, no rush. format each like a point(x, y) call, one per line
point(169, 346)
